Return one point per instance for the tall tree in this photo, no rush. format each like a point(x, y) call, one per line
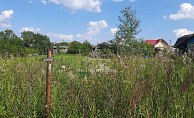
point(2, 35)
point(86, 47)
point(10, 43)
point(125, 37)
point(8, 34)
point(37, 41)
point(27, 37)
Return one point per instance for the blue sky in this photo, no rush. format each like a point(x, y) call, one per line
point(96, 20)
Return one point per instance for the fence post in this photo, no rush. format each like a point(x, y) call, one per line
point(48, 81)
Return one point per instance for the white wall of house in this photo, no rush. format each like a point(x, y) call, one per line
point(160, 44)
point(63, 50)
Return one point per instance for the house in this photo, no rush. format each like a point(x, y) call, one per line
point(103, 45)
point(185, 44)
point(159, 43)
point(62, 49)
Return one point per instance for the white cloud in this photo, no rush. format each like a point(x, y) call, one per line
point(60, 37)
point(29, 1)
point(97, 25)
point(4, 25)
point(74, 5)
point(186, 11)
point(113, 30)
point(164, 17)
point(32, 29)
point(6, 14)
point(132, 0)
point(44, 2)
point(94, 27)
point(182, 32)
point(117, 0)
point(81, 36)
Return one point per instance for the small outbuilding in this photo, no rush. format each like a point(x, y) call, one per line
point(55, 51)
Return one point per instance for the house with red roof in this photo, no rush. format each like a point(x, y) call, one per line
point(103, 45)
point(158, 43)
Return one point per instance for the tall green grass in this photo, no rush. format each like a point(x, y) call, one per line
point(81, 87)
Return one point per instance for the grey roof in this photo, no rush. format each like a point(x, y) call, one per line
point(182, 40)
point(60, 46)
point(63, 46)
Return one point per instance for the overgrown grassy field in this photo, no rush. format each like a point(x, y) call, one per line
point(86, 87)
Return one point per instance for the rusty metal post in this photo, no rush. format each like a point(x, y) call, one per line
point(48, 82)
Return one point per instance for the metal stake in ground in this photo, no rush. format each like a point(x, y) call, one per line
point(48, 81)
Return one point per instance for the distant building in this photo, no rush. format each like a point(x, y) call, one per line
point(55, 51)
point(158, 43)
point(61, 49)
point(102, 45)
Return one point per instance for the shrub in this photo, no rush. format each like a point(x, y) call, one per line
point(74, 47)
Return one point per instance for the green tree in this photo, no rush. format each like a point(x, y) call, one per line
point(2, 35)
point(86, 47)
point(27, 37)
point(39, 42)
point(80, 48)
point(74, 47)
point(147, 49)
point(8, 34)
point(125, 38)
point(10, 43)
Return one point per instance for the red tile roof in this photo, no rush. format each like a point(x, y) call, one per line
point(104, 43)
point(154, 42)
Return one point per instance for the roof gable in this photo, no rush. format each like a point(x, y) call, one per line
point(154, 42)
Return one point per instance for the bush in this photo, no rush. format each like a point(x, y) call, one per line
point(173, 56)
point(29, 51)
point(74, 47)
point(77, 48)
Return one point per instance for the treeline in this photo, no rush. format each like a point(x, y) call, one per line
point(31, 42)
point(75, 47)
point(28, 43)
